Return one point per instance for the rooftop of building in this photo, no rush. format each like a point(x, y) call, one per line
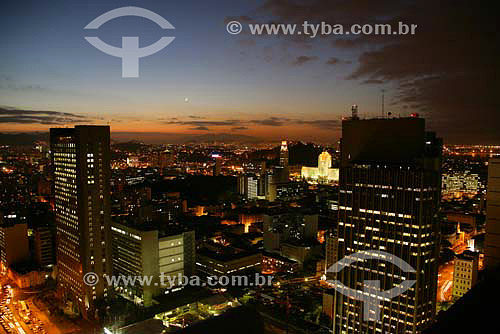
point(306, 243)
point(289, 211)
point(150, 326)
point(226, 254)
point(396, 140)
point(240, 320)
point(164, 229)
point(188, 295)
point(468, 255)
point(278, 257)
point(25, 267)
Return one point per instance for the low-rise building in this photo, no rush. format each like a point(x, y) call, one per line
point(465, 273)
point(275, 263)
point(327, 308)
point(27, 275)
point(299, 252)
point(458, 183)
point(146, 251)
point(281, 227)
point(212, 263)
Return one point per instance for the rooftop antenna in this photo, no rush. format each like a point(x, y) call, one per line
point(354, 111)
point(383, 103)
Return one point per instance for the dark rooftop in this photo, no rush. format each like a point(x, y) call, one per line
point(241, 320)
point(228, 255)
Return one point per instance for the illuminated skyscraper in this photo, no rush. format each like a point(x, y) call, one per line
point(284, 154)
point(324, 163)
point(217, 169)
point(81, 165)
point(492, 241)
point(331, 253)
point(281, 173)
point(248, 186)
point(389, 192)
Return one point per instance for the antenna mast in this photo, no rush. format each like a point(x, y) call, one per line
point(383, 103)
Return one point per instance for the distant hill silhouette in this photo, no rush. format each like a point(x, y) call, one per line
point(299, 154)
point(304, 154)
point(129, 146)
point(22, 139)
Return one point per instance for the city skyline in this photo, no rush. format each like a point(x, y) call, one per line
point(189, 219)
point(249, 166)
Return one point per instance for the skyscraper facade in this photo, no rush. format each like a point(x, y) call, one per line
point(331, 252)
point(324, 163)
point(81, 167)
point(284, 154)
point(465, 273)
point(14, 248)
point(492, 240)
point(217, 169)
point(389, 192)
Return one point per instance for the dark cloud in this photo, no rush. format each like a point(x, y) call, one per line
point(196, 117)
point(6, 78)
point(344, 43)
point(200, 128)
point(373, 81)
point(7, 82)
point(333, 61)
point(205, 123)
point(271, 121)
point(328, 124)
point(22, 116)
point(238, 125)
point(238, 128)
point(301, 60)
point(449, 69)
point(336, 61)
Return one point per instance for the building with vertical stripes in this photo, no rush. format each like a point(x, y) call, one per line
point(389, 193)
point(81, 166)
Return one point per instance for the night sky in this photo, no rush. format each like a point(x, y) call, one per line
point(271, 87)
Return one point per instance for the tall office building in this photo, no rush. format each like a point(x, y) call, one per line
point(14, 248)
point(248, 186)
point(44, 246)
point(492, 240)
point(331, 252)
point(389, 192)
point(217, 169)
point(284, 154)
point(81, 166)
